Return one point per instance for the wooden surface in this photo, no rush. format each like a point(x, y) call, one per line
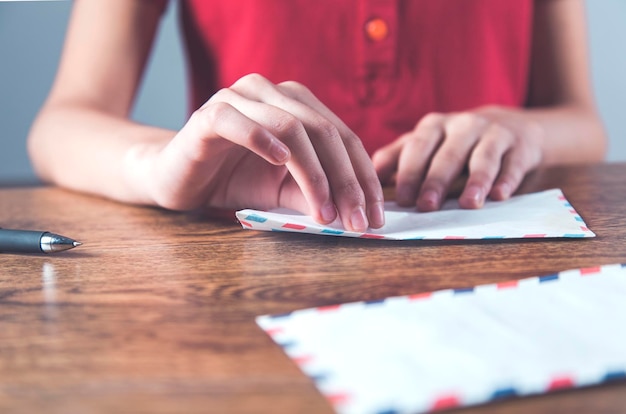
point(155, 312)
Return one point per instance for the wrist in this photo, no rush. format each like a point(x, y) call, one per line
point(139, 161)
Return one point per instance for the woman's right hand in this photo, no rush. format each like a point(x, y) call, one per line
point(262, 145)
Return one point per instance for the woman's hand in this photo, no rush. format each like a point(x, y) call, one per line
point(498, 146)
point(261, 145)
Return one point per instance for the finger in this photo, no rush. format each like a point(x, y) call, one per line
point(187, 153)
point(304, 163)
point(461, 134)
point(355, 187)
point(291, 195)
point(359, 161)
point(385, 161)
point(515, 165)
point(220, 119)
point(525, 156)
point(420, 145)
point(509, 179)
point(484, 165)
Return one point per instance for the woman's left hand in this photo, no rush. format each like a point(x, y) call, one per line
point(497, 145)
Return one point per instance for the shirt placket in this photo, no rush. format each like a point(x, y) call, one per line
point(378, 39)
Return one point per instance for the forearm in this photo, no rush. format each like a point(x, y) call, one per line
point(569, 134)
point(91, 151)
point(82, 138)
point(560, 95)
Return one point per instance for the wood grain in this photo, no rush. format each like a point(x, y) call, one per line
point(155, 312)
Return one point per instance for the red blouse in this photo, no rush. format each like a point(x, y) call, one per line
point(380, 65)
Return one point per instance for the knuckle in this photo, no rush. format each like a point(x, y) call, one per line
point(326, 129)
point(211, 114)
point(497, 129)
point(452, 157)
point(422, 139)
point(500, 133)
point(518, 164)
point(489, 154)
point(490, 109)
point(419, 140)
point(481, 177)
point(256, 138)
point(351, 142)
point(250, 80)
point(372, 183)
point(431, 119)
point(381, 157)
point(483, 167)
point(513, 177)
point(221, 95)
point(467, 121)
point(287, 125)
point(296, 88)
point(350, 188)
point(434, 183)
point(318, 180)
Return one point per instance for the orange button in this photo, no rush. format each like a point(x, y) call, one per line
point(376, 29)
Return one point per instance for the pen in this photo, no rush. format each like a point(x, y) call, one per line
point(29, 241)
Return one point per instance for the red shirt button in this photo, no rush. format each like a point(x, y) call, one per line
point(376, 29)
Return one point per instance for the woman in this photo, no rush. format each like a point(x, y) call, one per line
point(311, 105)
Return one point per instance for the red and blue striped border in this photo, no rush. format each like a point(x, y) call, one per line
point(446, 401)
point(257, 217)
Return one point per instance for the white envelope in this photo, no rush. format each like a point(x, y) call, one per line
point(538, 215)
point(462, 347)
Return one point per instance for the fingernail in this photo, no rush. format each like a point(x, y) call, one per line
point(329, 212)
point(358, 221)
point(505, 190)
point(428, 201)
point(377, 215)
point(474, 195)
point(279, 152)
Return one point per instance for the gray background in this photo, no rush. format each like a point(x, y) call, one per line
point(31, 38)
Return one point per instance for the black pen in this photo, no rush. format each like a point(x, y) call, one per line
point(29, 241)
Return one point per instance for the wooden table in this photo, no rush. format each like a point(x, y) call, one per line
point(155, 312)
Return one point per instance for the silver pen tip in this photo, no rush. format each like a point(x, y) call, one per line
point(76, 243)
